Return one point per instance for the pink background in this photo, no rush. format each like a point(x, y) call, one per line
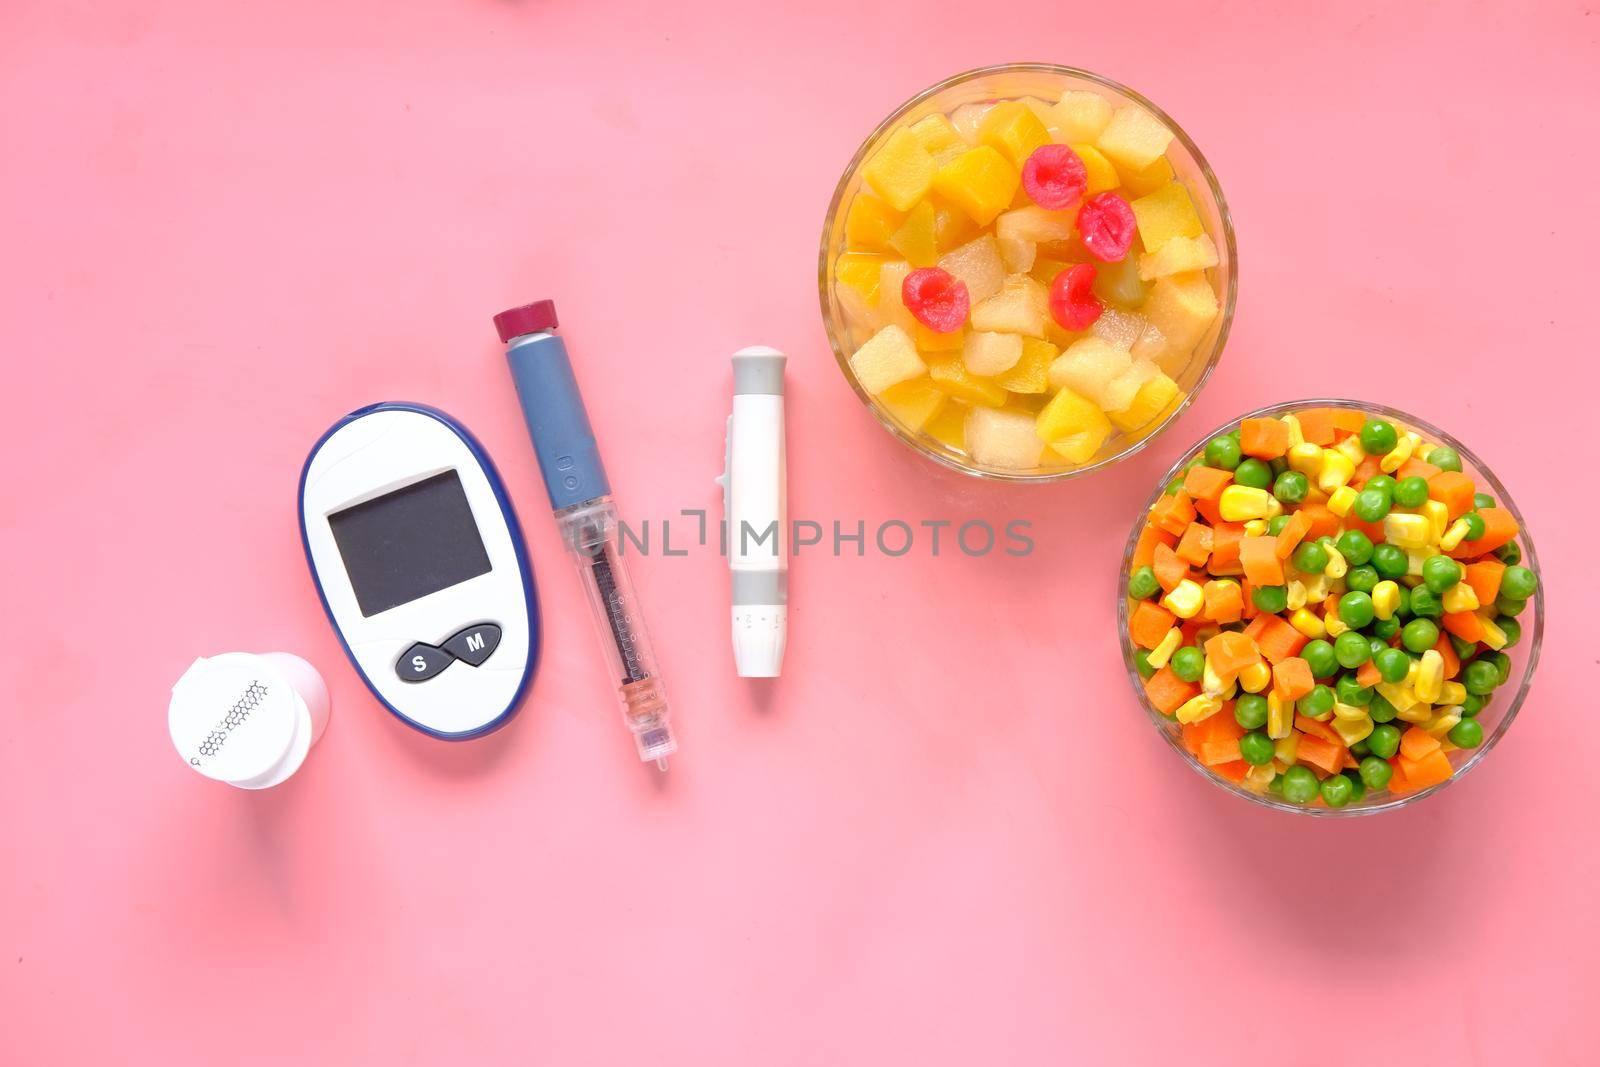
point(947, 835)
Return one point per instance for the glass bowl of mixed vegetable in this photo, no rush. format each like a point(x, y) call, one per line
point(1331, 607)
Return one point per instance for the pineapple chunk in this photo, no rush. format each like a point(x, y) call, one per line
point(948, 425)
point(1182, 307)
point(1118, 283)
point(861, 271)
point(913, 402)
point(915, 237)
point(1178, 256)
point(1088, 367)
point(1081, 116)
point(951, 376)
point(1146, 181)
point(1155, 398)
point(891, 295)
point(1013, 130)
point(977, 263)
point(1073, 426)
point(966, 119)
point(1018, 254)
point(1124, 388)
point(989, 354)
point(1120, 329)
point(1152, 345)
point(1034, 223)
point(934, 341)
point(1021, 306)
point(1031, 375)
point(980, 181)
point(1003, 439)
point(870, 223)
point(902, 171)
point(888, 358)
point(1046, 268)
point(951, 227)
point(938, 138)
point(1134, 138)
point(1102, 175)
point(1164, 214)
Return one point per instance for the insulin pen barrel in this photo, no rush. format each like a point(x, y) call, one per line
point(580, 496)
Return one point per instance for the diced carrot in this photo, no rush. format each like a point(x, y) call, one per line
point(1263, 438)
point(1291, 678)
point(1499, 527)
point(1324, 523)
point(1347, 421)
point(1428, 771)
point(1366, 470)
point(1367, 675)
point(1293, 532)
point(1219, 727)
point(1484, 578)
point(1447, 651)
point(1168, 692)
point(1233, 772)
point(1206, 483)
point(1258, 625)
point(1316, 729)
point(1464, 624)
point(1170, 570)
point(1417, 742)
point(1278, 640)
point(1319, 753)
point(1209, 510)
point(1397, 777)
point(1349, 763)
point(1416, 468)
point(1259, 557)
point(1373, 530)
point(1225, 548)
point(1247, 591)
point(1144, 552)
point(1454, 490)
point(1173, 513)
point(1190, 629)
point(1149, 623)
point(1231, 652)
point(1215, 752)
point(1195, 544)
point(1224, 602)
point(1316, 425)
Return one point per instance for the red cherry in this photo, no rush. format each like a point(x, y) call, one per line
point(1072, 301)
point(937, 298)
point(1106, 224)
point(1054, 176)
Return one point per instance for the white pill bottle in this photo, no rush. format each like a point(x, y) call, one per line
point(248, 719)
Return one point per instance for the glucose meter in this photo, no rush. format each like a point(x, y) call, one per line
point(419, 561)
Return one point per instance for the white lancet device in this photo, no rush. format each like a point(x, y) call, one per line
point(755, 506)
point(420, 563)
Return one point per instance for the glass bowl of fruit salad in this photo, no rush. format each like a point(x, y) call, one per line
point(1331, 607)
point(1027, 271)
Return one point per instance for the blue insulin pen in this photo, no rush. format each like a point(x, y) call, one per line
point(580, 495)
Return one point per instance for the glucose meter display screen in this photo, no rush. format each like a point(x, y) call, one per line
point(409, 543)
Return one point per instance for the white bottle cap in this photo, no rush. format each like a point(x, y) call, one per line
point(247, 719)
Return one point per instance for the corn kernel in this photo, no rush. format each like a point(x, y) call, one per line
point(1400, 453)
point(1256, 527)
point(1285, 749)
point(1438, 516)
point(1241, 502)
point(1398, 694)
point(1460, 597)
point(1415, 558)
point(1456, 534)
point(1412, 673)
point(1417, 714)
point(1256, 677)
point(1336, 470)
point(1256, 779)
point(1212, 683)
point(1317, 588)
point(1493, 636)
point(1334, 625)
point(1307, 623)
point(1297, 436)
point(1443, 723)
point(1341, 500)
point(1430, 675)
point(1165, 648)
point(1185, 600)
point(1352, 730)
point(1386, 599)
point(1452, 693)
point(1351, 448)
point(1280, 717)
point(1296, 592)
point(1348, 712)
point(1274, 507)
point(1406, 531)
point(1307, 459)
point(1336, 567)
point(1198, 709)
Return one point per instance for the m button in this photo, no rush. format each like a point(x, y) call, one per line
point(474, 644)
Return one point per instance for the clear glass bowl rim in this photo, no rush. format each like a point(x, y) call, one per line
point(1534, 636)
point(1230, 298)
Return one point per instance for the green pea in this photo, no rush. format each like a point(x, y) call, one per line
point(1512, 628)
point(1425, 603)
point(1472, 705)
point(1351, 649)
point(1502, 664)
point(1222, 453)
point(1383, 483)
point(1356, 784)
point(1349, 691)
point(1393, 665)
point(1378, 437)
point(1355, 547)
point(1480, 677)
point(1291, 487)
point(1518, 583)
point(1254, 473)
point(1250, 711)
point(1355, 609)
point(1411, 492)
point(1445, 458)
point(1389, 561)
point(1440, 573)
point(1384, 741)
point(1317, 702)
point(1173, 486)
point(1509, 554)
point(1475, 526)
point(1384, 629)
point(1482, 500)
point(1142, 584)
point(1277, 465)
point(1371, 505)
point(1276, 524)
point(1270, 598)
point(1403, 603)
point(1363, 579)
point(1276, 785)
point(1336, 790)
point(1463, 649)
point(1419, 635)
point(1299, 785)
point(1360, 750)
point(1256, 748)
point(1376, 644)
point(1310, 558)
point(1468, 733)
point(1141, 663)
point(1381, 710)
point(1320, 657)
point(1188, 663)
point(1509, 608)
point(1377, 772)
